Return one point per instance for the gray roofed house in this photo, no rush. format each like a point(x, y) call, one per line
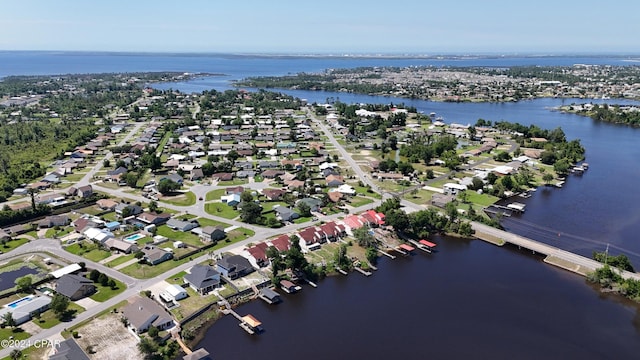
point(26, 308)
point(121, 245)
point(212, 233)
point(314, 204)
point(68, 350)
point(54, 220)
point(182, 225)
point(154, 255)
point(285, 214)
point(203, 279)
point(74, 287)
point(234, 266)
point(135, 209)
point(144, 312)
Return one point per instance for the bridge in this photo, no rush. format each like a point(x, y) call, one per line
point(554, 256)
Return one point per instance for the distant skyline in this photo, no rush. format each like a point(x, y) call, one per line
point(330, 26)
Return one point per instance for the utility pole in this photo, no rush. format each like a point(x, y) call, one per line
point(606, 255)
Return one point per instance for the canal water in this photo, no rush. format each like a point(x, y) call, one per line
point(469, 300)
point(7, 279)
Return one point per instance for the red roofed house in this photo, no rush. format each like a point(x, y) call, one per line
point(311, 238)
point(353, 222)
point(258, 253)
point(282, 243)
point(273, 194)
point(333, 231)
point(378, 218)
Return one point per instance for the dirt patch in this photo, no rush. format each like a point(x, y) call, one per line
point(108, 339)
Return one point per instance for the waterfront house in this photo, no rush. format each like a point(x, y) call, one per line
point(257, 254)
point(212, 233)
point(311, 238)
point(281, 243)
point(271, 296)
point(289, 286)
point(234, 266)
point(143, 313)
point(173, 293)
point(202, 278)
point(75, 287)
point(332, 231)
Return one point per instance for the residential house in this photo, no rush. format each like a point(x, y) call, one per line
point(354, 222)
point(222, 176)
point(273, 194)
point(174, 177)
point(281, 243)
point(311, 238)
point(173, 293)
point(85, 191)
point(182, 225)
point(82, 223)
point(335, 196)
point(234, 190)
point(234, 266)
point(258, 253)
point(283, 213)
point(98, 235)
point(121, 245)
point(231, 200)
point(24, 310)
point(68, 350)
point(74, 287)
point(196, 174)
point(133, 209)
point(54, 220)
point(346, 189)
point(153, 218)
point(212, 233)
point(143, 313)
point(243, 174)
point(154, 255)
point(374, 218)
point(333, 231)
point(106, 204)
point(314, 204)
point(203, 279)
point(334, 180)
point(271, 174)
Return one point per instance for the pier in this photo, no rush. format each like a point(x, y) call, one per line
point(554, 256)
point(422, 246)
point(248, 323)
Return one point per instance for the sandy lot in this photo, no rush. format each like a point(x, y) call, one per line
point(110, 339)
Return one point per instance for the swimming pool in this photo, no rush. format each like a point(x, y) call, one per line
point(133, 238)
point(15, 304)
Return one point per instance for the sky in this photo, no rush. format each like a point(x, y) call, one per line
point(328, 26)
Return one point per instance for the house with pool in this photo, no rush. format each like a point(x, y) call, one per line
point(23, 309)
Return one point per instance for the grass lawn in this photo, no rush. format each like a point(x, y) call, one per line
point(234, 182)
point(88, 250)
point(237, 235)
point(12, 244)
point(480, 199)
point(111, 216)
point(121, 260)
point(75, 177)
point(17, 333)
point(192, 303)
point(185, 199)
point(105, 293)
point(214, 194)
point(48, 319)
point(421, 197)
point(144, 271)
point(303, 219)
point(185, 237)
point(268, 206)
point(358, 201)
point(209, 222)
point(222, 210)
point(52, 233)
point(362, 190)
point(176, 278)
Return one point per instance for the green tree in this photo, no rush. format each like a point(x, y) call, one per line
point(167, 186)
point(246, 196)
point(547, 178)
point(59, 305)
point(364, 238)
point(147, 347)
point(251, 213)
point(153, 331)
point(153, 206)
point(304, 208)
point(9, 320)
point(342, 260)
point(15, 354)
point(24, 283)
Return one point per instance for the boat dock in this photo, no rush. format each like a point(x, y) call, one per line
point(553, 255)
point(249, 323)
point(269, 296)
point(423, 245)
point(386, 254)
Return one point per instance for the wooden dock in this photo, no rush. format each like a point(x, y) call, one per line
point(363, 272)
point(386, 254)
